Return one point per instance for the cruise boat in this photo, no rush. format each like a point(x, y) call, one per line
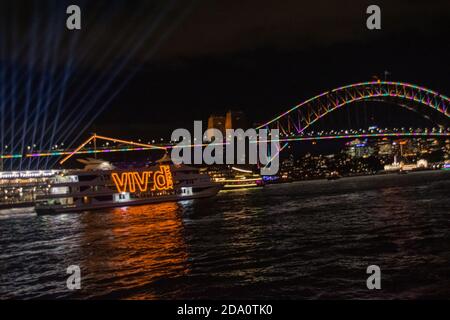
point(238, 178)
point(83, 190)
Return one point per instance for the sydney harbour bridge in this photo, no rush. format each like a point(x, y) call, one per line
point(295, 124)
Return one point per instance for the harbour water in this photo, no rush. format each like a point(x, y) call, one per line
point(310, 240)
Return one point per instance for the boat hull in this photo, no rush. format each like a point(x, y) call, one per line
point(210, 192)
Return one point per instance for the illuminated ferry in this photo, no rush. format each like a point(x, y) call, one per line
point(18, 189)
point(83, 190)
point(238, 178)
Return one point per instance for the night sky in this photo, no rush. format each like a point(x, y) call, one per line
point(264, 56)
point(144, 68)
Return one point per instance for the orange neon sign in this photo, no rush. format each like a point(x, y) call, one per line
point(139, 181)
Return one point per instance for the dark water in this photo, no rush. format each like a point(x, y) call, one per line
point(300, 240)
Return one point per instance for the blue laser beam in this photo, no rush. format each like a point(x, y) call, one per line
point(106, 80)
point(86, 86)
point(130, 75)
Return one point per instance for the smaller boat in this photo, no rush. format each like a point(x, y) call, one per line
point(238, 178)
point(334, 175)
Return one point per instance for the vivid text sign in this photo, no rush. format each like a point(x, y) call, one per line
point(139, 180)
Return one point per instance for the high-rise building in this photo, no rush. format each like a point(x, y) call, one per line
point(359, 149)
point(216, 122)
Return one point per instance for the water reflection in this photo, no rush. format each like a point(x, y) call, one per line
point(132, 247)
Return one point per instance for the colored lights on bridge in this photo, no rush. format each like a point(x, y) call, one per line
point(287, 139)
point(329, 101)
point(11, 156)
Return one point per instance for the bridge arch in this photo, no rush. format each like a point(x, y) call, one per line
point(297, 119)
